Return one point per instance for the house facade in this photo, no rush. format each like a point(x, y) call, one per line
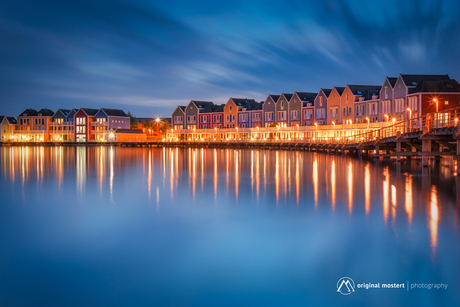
point(308, 113)
point(178, 118)
point(353, 102)
point(282, 110)
point(269, 110)
point(404, 85)
point(256, 115)
point(387, 105)
point(106, 119)
point(61, 126)
point(333, 105)
point(321, 106)
point(296, 104)
point(7, 128)
point(82, 125)
point(193, 109)
point(34, 125)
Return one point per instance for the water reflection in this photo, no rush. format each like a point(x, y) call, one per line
point(325, 183)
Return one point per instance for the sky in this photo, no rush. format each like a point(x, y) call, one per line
point(147, 57)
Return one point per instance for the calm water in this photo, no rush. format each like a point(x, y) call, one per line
point(104, 226)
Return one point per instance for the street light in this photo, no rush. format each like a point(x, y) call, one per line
point(386, 115)
point(316, 124)
point(410, 113)
point(368, 123)
point(436, 101)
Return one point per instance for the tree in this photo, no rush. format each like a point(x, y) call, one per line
point(133, 122)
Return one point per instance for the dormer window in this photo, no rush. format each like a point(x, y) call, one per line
point(230, 108)
point(347, 97)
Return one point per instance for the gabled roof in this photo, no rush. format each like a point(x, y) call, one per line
point(90, 112)
point(114, 112)
point(244, 102)
point(202, 104)
point(287, 96)
point(339, 90)
point(182, 108)
point(273, 97)
point(29, 112)
point(11, 120)
point(414, 80)
point(64, 112)
point(46, 112)
point(437, 86)
point(258, 106)
point(366, 91)
point(392, 81)
point(326, 91)
point(305, 96)
point(218, 108)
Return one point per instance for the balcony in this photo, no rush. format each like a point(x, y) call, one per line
point(99, 124)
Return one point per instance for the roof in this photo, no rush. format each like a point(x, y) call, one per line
point(46, 112)
point(218, 108)
point(182, 108)
point(366, 91)
point(437, 86)
point(287, 96)
point(29, 112)
point(244, 102)
point(414, 80)
point(91, 112)
point(326, 91)
point(339, 90)
point(392, 81)
point(203, 104)
point(12, 120)
point(305, 96)
point(274, 97)
point(114, 112)
point(129, 131)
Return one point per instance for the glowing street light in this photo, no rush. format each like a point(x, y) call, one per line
point(368, 123)
point(386, 116)
point(393, 119)
point(436, 101)
point(410, 113)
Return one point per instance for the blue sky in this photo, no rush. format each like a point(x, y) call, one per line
point(149, 56)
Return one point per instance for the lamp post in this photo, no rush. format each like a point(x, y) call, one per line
point(410, 113)
point(368, 123)
point(436, 101)
point(386, 116)
point(333, 129)
point(316, 124)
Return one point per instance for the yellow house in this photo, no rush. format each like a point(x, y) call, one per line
point(7, 126)
point(230, 114)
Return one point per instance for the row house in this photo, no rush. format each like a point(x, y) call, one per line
point(296, 104)
point(82, 125)
point(178, 118)
point(257, 115)
point(333, 105)
point(269, 110)
point(321, 106)
point(62, 126)
point(405, 84)
point(211, 118)
point(235, 107)
point(282, 109)
point(308, 113)
point(433, 96)
point(107, 119)
point(352, 94)
point(247, 110)
point(386, 104)
point(7, 127)
point(34, 125)
point(193, 109)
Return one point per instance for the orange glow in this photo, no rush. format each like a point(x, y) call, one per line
point(277, 179)
point(386, 192)
point(333, 183)
point(315, 179)
point(393, 202)
point(216, 177)
point(297, 178)
point(408, 197)
point(367, 189)
point(434, 213)
point(350, 188)
point(237, 178)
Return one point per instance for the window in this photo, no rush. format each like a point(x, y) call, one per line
point(230, 108)
point(386, 92)
point(294, 115)
point(321, 101)
point(282, 104)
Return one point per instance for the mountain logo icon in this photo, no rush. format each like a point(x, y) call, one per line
point(345, 286)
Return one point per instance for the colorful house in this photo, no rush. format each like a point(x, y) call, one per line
point(297, 105)
point(106, 119)
point(193, 109)
point(126, 135)
point(321, 106)
point(432, 96)
point(308, 113)
point(269, 110)
point(333, 105)
point(178, 118)
point(217, 116)
point(282, 109)
point(7, 127)
point(82, 125)
point(245, 109)
point(353, 94)
point(231, 110)
point(386, 105)
point(61, 126)
point(34, 125)
point(404, 86)
point(256, 115)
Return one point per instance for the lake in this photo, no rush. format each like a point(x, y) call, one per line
point(109, 226)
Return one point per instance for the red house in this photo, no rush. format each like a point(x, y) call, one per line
point(212, 119)
point(83, 127)
point(433, 96)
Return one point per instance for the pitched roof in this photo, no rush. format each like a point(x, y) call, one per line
point(114, 112)
point(339, 90)
point(392, 81)
point(91, 112)
point(182, 108)
point(414, 80)
point(218, 108)
point(46, 112)
point(437, 86)
point(243, 102)
point(366, 91)
point(202, 104)
point(305, 96)
point(12, 120)
point(287, 96)
point(258, 106)
point(326, 91)
point(274, 97)
point(29, 112)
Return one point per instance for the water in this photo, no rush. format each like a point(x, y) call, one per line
point(209, 227)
